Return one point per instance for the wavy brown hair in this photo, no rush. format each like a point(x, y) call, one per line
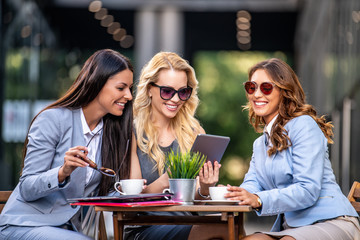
point(117, 130)
point(292, 104)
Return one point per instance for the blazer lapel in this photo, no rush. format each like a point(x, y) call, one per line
point(79, 175)
point(265, 166)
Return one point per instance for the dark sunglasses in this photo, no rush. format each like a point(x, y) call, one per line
point(103, 170)
point(168, 93)
point(266, 87)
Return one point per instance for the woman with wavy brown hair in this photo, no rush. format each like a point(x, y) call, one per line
point(290, 173)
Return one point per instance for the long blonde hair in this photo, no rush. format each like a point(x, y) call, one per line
point(292, 104)
point(185, 125)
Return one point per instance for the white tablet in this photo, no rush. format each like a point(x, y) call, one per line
point(212, 146)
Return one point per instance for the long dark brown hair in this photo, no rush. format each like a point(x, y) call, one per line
point(292, 104)
point(117, 130)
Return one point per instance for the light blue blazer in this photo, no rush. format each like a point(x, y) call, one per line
point(299, 181)
point(38, 199)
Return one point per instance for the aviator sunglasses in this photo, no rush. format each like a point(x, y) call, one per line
point(266, 87)
point(103, 170)
point(168, 93)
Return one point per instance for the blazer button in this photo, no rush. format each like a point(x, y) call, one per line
point(49, 185)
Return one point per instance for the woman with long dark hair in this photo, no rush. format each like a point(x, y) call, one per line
point(92, 121)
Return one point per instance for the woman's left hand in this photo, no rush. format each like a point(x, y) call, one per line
point(209, 175)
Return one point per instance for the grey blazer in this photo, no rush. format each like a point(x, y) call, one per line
point(38, 199)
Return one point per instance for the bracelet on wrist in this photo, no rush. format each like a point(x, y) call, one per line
point(259, 202)
point(207, 196)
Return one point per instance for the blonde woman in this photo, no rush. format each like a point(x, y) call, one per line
point(164, 120)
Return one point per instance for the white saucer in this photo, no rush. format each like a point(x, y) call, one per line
point(219, 202)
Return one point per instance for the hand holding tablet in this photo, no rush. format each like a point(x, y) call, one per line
point(212, 146)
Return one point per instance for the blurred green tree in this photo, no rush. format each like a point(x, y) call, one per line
point(222, 97)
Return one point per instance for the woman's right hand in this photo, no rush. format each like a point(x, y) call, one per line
point(245, 197)
point(158, 185)
point(73, 159)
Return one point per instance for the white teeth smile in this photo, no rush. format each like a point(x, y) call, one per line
point(171, 106)
point(121, 104)
point(260, 103)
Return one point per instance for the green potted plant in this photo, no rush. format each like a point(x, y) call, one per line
point(182, 169)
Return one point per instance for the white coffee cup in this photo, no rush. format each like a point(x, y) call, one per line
point(217, 193)
point(129, 186)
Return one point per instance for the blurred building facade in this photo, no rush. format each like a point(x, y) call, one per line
point(328, 62)
point(322, 36)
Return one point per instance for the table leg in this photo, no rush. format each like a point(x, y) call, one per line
point(231, 226)
point(118, 230)
point(241, 228)
point(102, 227)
